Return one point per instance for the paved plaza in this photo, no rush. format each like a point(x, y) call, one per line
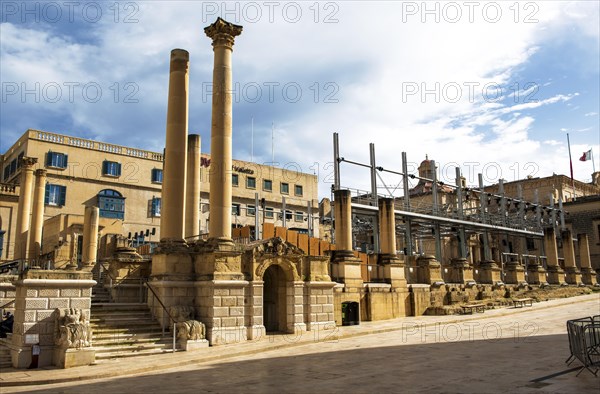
point(508, 350)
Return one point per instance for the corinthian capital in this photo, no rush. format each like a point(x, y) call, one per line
point(223, 33)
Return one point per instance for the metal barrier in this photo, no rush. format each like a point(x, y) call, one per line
point(584, 343)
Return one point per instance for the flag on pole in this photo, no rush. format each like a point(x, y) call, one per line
point(586, 156)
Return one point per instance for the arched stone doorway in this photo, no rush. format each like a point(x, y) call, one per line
point(274, 299)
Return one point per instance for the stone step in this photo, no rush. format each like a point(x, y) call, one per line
point(125, 354)
point(98, 330)
point(113, 306)
point(112, 341)
point(5, 359)
point(107, 317)
point(128, 336)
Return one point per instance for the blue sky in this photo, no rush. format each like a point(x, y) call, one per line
point(491, 86)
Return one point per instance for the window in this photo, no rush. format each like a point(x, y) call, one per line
point(13, 166)
point(235, 179)
point(157, 175)
point(56, 160)
point(6, 172)
point(20, 159)
point(55, 195)
point(530, 243)
point(288, 215)
point(269, 213)
point(1, 242)
point(235, 209)
point(155, 207)
point(251, 182)
point(112, 204)
point(285, 188)
point(251, 210)
point(298, 190)
point(111, 168)
point(267, 185)
point(299, 216)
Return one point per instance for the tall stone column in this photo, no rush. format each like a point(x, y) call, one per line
point(24, 207)
point(588, 274)
point(90, 236)
point(192, 188)
point(343, 220)
point(223, 35)
point(572, 274)
point(387, 226)
point(555, 273)
point(37, 218)
point(175, 169)
point(393, 267)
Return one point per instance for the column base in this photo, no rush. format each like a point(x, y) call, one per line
point(588, 276)
point(429, 270)
point(68, 358)
point(555, 275)
point(461, 271)
point(536, 275)
point(514, 273)
point(490, 273)
point(572, 276)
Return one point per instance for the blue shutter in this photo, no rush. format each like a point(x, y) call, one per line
point(49, 158)
point(118, 169)
point(65, 160)
point(47, 194)
point(63, 195)
point(104, 167)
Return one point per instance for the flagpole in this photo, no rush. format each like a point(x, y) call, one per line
point(571, 166)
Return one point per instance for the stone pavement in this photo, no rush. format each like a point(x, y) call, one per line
point(503, 350)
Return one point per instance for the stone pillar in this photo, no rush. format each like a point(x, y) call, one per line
point(588, 275)
point(555, 273)
point(37, 218)
point(174, 174)
point(192, 199)
point(223, 35)
point(393, 267)
point(343, 220)
point(24, 207)
point(514, 273)
point(91, 217)
point(572, 274)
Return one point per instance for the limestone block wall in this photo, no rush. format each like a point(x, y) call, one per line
point(318, 303)
point(7, 292)
point(38, 295)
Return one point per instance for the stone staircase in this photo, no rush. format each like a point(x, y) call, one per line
point(5, 360)
point(124, 329)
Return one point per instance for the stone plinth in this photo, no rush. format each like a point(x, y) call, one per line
point(38, 296)
point(572, 276)
point(429, 270)
point(128, 271)
point(514, 273)
point(489, 272)
point(393, 271)
point(348, 270)
point(68, 358)
point(555, 275)
point(319, 308)
point(420, 298)
point(461, 271)
point(536, 274)
point(192, 345)
point(588, 276)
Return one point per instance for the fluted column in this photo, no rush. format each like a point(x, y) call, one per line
point(343, 220)
point(37, 217)
point(223, 35)
point(192, 188)
point(90, 236)
point(24, 207)
point(174, 169)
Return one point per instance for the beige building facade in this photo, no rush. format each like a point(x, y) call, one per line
point(125, 183)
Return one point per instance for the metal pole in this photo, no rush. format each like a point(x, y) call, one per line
point(336, 162)
point(462, 242)
point(283, 213)
point(562, 214)
point(256, 218)
point(407, 233)
point(484, 206)
point(374, 198)
point(553, 213)
point(310, 220)
point(436, 226)
point(538, 218)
